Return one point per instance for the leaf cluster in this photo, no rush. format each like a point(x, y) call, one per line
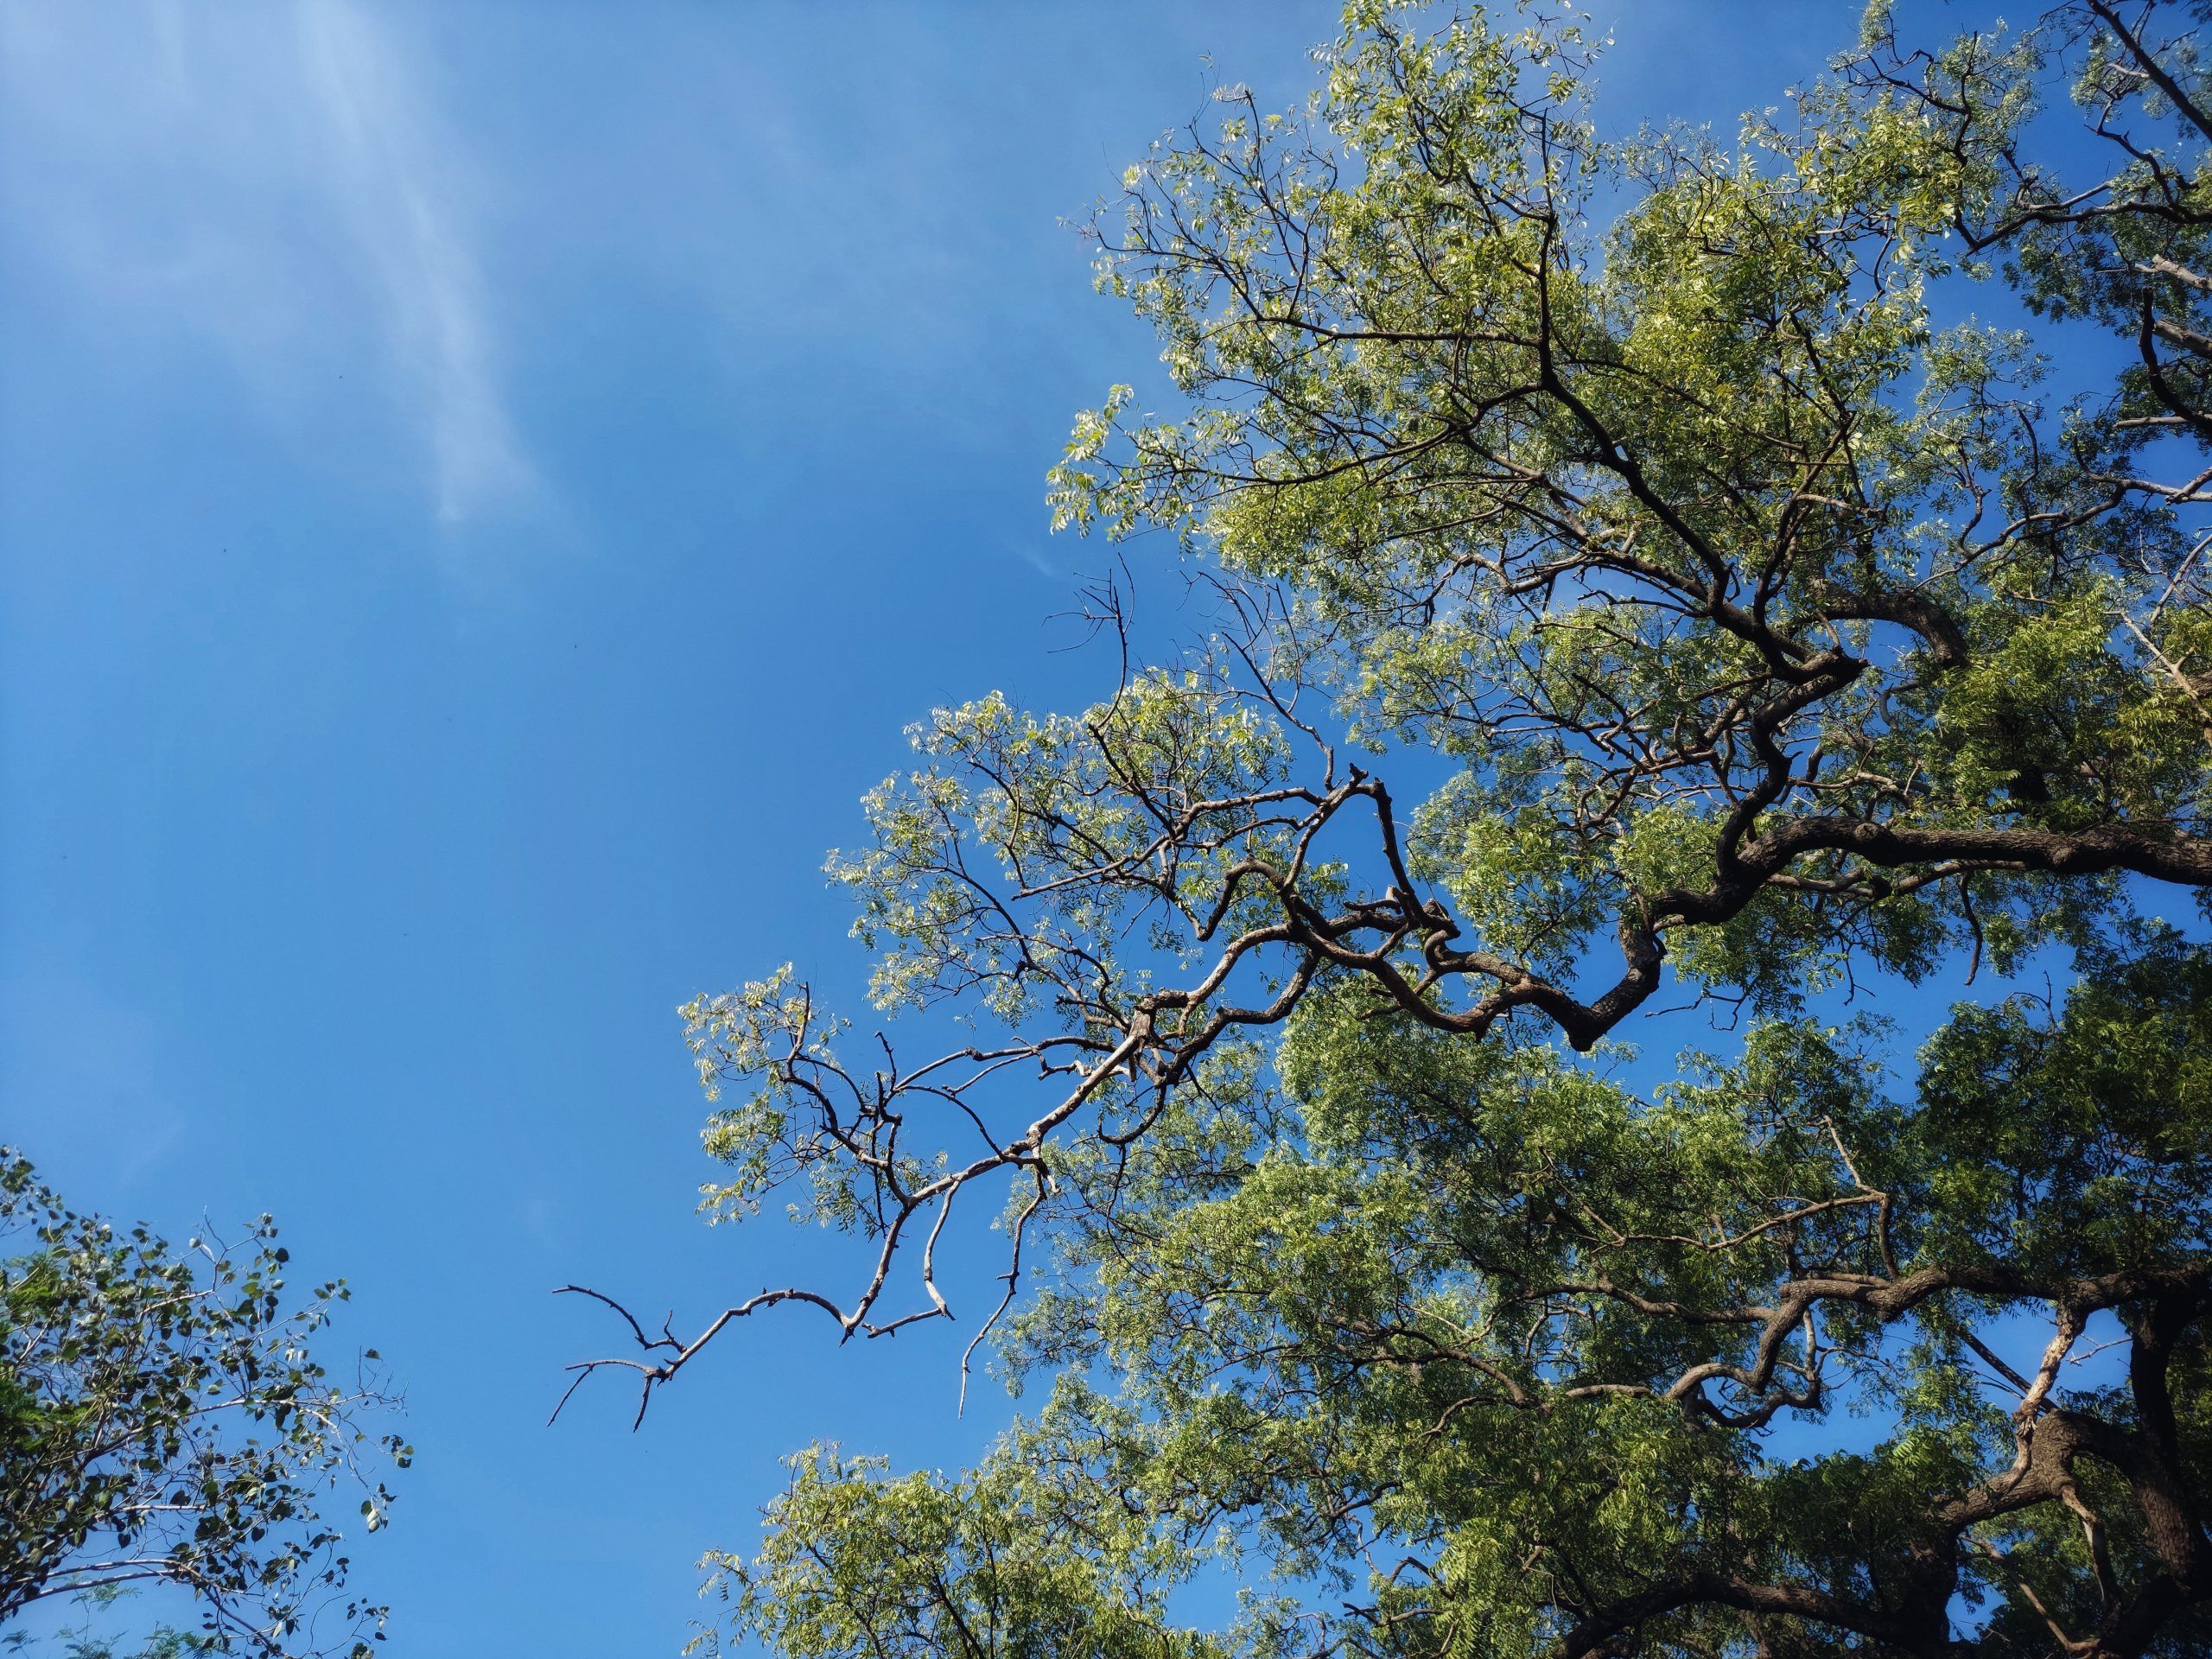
point(163, 1420)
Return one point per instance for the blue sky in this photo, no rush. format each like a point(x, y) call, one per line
point(482, 489)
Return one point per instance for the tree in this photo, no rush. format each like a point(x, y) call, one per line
point(161, 1421)
point(1735, 611)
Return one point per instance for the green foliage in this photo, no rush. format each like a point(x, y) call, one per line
point(1731, 608)
point(161, 1421)
point(1484, 1316)
point(999, 1562)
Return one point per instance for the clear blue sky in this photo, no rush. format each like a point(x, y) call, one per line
point(482, 489)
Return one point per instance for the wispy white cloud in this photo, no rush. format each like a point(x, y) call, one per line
point(281, 184)
point(392, 165)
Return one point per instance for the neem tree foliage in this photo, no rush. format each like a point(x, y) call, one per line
point(1641, 576)
point(163, 1423)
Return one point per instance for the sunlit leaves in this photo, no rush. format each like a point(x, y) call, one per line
point(1731, 608)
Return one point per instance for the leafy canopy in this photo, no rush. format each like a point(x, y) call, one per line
point(1639, 565)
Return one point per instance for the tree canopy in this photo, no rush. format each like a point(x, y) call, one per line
point(1643, 573)
point(163, 1423)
